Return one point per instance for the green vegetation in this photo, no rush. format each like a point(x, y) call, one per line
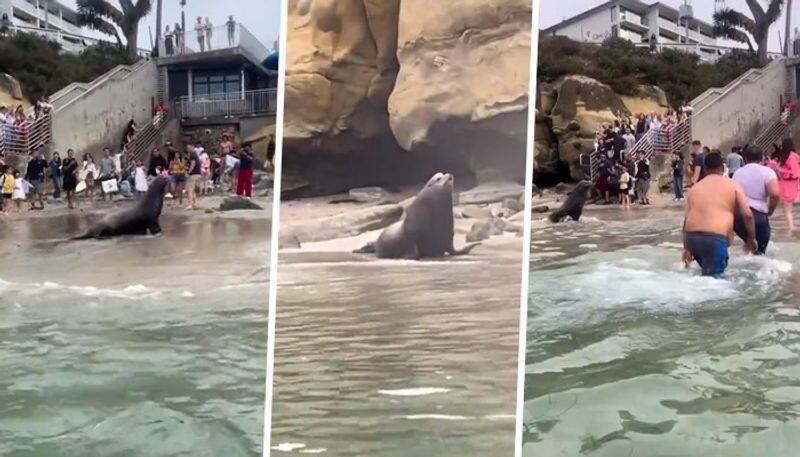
point(105, 17)
point(624, 67)
point(42, 69)
point(733, 25)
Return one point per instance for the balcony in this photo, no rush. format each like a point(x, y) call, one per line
point(263, 102)
point(216, 41)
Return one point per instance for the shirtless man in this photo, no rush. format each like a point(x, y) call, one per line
point(708, 226)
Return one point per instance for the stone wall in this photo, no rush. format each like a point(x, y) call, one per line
point(98, 117)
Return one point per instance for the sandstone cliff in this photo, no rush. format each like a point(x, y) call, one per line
point(387, 91)
point(568, 115)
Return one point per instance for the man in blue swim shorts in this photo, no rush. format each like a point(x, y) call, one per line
point(708, 225)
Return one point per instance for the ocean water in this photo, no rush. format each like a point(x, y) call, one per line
point(629, 353)
point(136, 346)
point(391, 358)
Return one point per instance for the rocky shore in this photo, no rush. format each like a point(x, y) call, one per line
point(489, 213)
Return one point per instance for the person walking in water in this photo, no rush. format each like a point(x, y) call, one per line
point(708, 224)
point(734, 161)
point(760, 184)
point(698, 159)
point(789, 179)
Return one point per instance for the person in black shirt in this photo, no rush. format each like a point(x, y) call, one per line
point(699, 153)
point(69, 171)
point(55, 175)
point(677, 176)
point(244, 182)
point(157, 163)
point(35, 176)
point(643, 180)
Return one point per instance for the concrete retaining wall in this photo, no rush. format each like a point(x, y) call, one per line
point(742, 110)
point(98, 117)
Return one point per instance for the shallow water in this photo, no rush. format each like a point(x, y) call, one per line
point(630, 354)
point(396, 358)
point(136, 346)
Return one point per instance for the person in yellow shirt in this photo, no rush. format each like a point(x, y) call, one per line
point(7, 181)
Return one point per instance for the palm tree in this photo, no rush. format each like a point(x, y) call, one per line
point(733, 25)
point(103, 16)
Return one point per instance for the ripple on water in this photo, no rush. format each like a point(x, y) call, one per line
point(628, 351)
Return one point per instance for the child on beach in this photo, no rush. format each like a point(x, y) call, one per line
point(20, 191)
point(624, 196)
point(7, 188)
point(140, 178)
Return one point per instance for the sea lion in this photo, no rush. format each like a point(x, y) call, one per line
point(426, 229)
point(138, 220)
point(573, 205)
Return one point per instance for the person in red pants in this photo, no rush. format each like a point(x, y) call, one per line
point(244, 181)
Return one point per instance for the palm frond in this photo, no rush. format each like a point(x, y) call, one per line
point(734, 34)
point(143, 8)
point(99, 8)
point(96, 22)
point(728, 17)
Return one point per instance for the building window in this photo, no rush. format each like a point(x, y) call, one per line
point(217, 82)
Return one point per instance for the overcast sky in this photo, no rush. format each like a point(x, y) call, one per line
point(552, 12)
point(261, 17)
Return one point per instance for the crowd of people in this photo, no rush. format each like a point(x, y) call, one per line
point(15, 124)
point(175, 37)
point(623, 172)
point(194, 171)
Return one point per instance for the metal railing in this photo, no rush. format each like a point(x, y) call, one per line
point(666, 139)
point(254, 102)
point(194, 41)
point(776, 130)
point(27, 138)
point(142, 143)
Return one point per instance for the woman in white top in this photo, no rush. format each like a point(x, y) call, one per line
point(140, 178)
point(88, 174)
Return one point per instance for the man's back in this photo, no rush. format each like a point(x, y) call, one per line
point(710, 205)
point(753, 178)
point(734, 161)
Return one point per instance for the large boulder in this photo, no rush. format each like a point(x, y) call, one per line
point(341, 225)
point(384, 92)
point(570, 149)
point(587, 101)
point(461, 94)
point(11, 92)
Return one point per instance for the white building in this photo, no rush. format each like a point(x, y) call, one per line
point(49, 18)
point(641, 22)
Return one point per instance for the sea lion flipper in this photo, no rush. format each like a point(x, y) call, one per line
point(412, 253)
point(154, 228)
point(368, 248)
point(463, 251)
